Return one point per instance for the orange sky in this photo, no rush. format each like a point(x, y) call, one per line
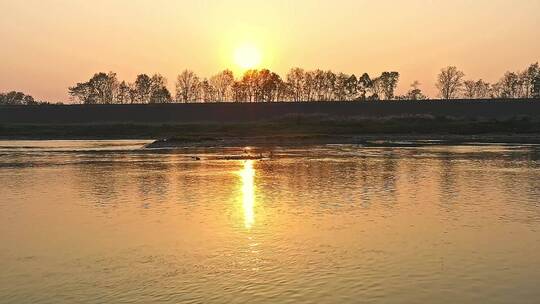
point(48, 45)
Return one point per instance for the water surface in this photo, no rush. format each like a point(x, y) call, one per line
point(109, 222)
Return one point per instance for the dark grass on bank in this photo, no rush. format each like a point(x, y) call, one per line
point(290, 126)
point(241, 112)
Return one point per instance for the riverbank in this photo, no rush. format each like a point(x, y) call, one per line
point(373, 140)
point(227, 112)
point(292, 130)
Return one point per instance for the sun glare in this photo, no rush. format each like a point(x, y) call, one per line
point(247, 56)
point(248, 193)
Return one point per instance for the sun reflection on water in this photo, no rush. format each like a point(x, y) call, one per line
point(248, 193)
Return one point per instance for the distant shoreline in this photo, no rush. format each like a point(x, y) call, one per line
point(382, 140)
point(366, 140)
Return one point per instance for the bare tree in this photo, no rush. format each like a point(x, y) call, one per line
point(187, 87)
point(102, 88)
point(250, 79)
point(142, 89)
point(309, 86)
point(329, 84)
point(496, 90)
point(483, 89)
point(533, 80)
point(389, 81)
point(469, 89)
point(376, 89)
point(239, 91)
point(364, 86)
point(449, 82)
point(296, 80)
point(158, 90)
point(209, 92)
point(524, 90)
point(223, 83)
point(124, 93)
point(340, 91)
point(81, 93)
point(510, 85)
point(476, 89)
point(270, 84)
point(318, 85)
point(536, 87)
point(351, 88)
point(519, 84)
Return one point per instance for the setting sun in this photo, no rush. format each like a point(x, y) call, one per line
point(247, 56)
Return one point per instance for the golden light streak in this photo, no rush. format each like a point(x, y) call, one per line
point(248, 193)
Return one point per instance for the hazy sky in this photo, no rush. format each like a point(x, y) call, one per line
point(48, 45)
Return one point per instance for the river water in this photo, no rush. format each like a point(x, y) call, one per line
point(110, 222)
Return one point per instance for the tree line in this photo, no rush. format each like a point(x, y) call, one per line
point(298, 85)
point(451, 84)
point(254, 86)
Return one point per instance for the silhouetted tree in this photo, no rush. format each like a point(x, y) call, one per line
point(510, 85)
point(208, 91)
point(533, 77)
point(295, 81)
point(222, 83)
point(496, 90)
point(250, 79)
point(29, 100)
point(476, 89)
point(483, 89)
point(517, 84)
point(142, 89)
point(100, 89)
point(239, 91)
point(469, 89)
point(376, 89)
point(124, 93)
point(158, 90)
point(329, 82)
point(259, 86)
point(81, 93)
point(16, 98)
point(364, 86)
point(187, 87)
point(282, 91)
point(319, 83)
point(339, 90)
point(269, 85)
point(351, 88)
point(536, 86)
point(449, 82)
point(309, 86)
point(389, 82)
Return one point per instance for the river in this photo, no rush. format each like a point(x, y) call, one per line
point(112, 222)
